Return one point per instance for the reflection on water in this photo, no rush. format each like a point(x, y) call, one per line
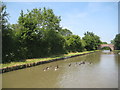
point(105, 51)
point(99, 71)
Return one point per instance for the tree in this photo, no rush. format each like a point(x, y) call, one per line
point(55, 43)
point(7, 39)
point(92, 41)
point(74, 43)
point(65, 32)
point(20, 50)
point(104, 43)
point(39, 33)
point(112, 41)
point(117, 42)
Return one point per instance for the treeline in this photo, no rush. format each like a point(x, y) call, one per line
point(116, 42)
point(38, 34)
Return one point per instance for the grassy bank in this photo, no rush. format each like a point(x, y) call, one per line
point(28, 61)
point(117, 50)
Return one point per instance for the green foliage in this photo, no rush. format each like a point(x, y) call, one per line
point(7, 39)
point(37, 33)
point(112, 41)
point(104, 43)
point(65, 32)
point(92, 41)
point(106, 48)
point(74, 43)
point(117, 42)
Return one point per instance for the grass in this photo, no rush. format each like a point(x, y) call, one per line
point(27, 61)
point(117, 50)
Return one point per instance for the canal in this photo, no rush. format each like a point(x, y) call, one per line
point(99, 70)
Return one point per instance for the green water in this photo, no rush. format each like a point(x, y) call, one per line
point(99, 71)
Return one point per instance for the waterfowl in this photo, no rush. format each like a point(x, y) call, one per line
point(80, 63)
point(90, 63)
point(44, 69)
point(56, 67)
point(69, 64)
point(47, 68)
point(83, 62)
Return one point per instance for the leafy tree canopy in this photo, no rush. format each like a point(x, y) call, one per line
point(117, 42)
point(92, 41)
point(74, 43)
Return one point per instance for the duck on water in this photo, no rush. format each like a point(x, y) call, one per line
point(56, 68)
point(47, 68)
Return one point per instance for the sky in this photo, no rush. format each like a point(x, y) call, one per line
point(79, 17)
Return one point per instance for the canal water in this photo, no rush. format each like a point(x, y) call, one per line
point(99, 71)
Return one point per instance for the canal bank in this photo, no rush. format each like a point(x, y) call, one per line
point(34, 62)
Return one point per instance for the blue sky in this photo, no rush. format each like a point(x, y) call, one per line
point(79, 17)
